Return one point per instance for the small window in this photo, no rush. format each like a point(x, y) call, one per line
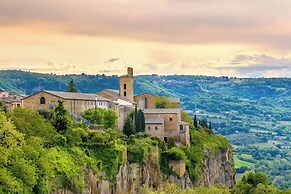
point(166, 139)
point(149, 128)
point(145, 102)
point(156, 128)
point(124, 86)
point(124, 93)
point(42, 100)
point(171, 119)
point(18, 105)
point(181, 127)
point(53, 104)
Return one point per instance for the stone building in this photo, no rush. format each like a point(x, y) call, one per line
point(75, 103)
point(148, 101)
point(126, 88)
point(145, 101)
point(166, 123)
point(163, 123)
point(11, 100)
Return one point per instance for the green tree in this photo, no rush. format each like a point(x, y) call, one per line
point(11, 140)
point(61, 118)
point(164, 102)
point(195, 122)
point(128, 127)
point(139, 121)
point(185, 117)
point(110, 119)
point(253, 183)
point(47, 114)
point(94, 115)
point(171, 143)
point(203, 123)
point(30, 123)
point(3, 107)
point(72, 86)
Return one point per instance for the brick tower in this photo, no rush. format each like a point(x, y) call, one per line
point(126, 85)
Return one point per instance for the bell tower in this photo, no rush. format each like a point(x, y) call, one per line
point(126, 85)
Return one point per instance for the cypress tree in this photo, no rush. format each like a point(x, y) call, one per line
point(140, 121)
point(143, 122)
point(72, 86)
point(61, 118)
point(128, 127)
point(195, 121)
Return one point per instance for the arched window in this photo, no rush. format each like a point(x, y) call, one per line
point(124, 86)
point(124, 93)
point(42, 100)
point(145, 102)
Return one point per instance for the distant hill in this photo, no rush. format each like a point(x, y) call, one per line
point(250, 112)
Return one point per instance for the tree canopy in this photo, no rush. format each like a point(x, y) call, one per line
point(72, 87)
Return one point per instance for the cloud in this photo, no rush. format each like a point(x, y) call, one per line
point(188, 22)
point(112, 60)
point(258, 65)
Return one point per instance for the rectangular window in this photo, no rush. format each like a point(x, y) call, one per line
point(156, 128)
point(149, 128)
point(166, 139)
point(124, 93)
point(124, 86)
point(171, 119)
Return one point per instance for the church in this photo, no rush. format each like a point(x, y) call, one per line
point(163, 123)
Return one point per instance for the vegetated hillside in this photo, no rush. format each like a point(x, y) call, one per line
point(29, 83)
point(55, 154)
point(252, 113)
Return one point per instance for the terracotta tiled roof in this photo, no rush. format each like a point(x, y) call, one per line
point(144, 93)
point(114, 95)
point(154, 120)
point(74, 95)
point(162, 111)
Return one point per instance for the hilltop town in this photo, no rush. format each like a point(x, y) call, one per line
point(161, 122)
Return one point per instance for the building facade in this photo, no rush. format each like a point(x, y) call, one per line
point(145, 101)
point(11, 100)
point(126, 88)
point(166, 123)
point(75, 103)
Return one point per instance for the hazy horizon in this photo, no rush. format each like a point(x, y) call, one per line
point(214, 38)
point(149, 74)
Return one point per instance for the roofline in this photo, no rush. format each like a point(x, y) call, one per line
point(144, 93)
point(175, 111)
point(46, 91)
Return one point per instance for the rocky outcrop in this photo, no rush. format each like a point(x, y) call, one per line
point(217, 168)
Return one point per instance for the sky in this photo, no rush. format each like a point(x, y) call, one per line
point(250, 38)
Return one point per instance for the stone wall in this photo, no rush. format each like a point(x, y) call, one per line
point(217, 168)
point(74, 106)
point(141, 99)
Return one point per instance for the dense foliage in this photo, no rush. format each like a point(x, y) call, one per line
point(165, 102)
point(101, 117)
point(250, 112)
point(134, 122)
point(252, 183)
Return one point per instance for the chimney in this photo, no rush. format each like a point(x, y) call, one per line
point(130, 71)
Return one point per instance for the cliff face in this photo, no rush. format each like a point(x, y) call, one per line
point(217, 168)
